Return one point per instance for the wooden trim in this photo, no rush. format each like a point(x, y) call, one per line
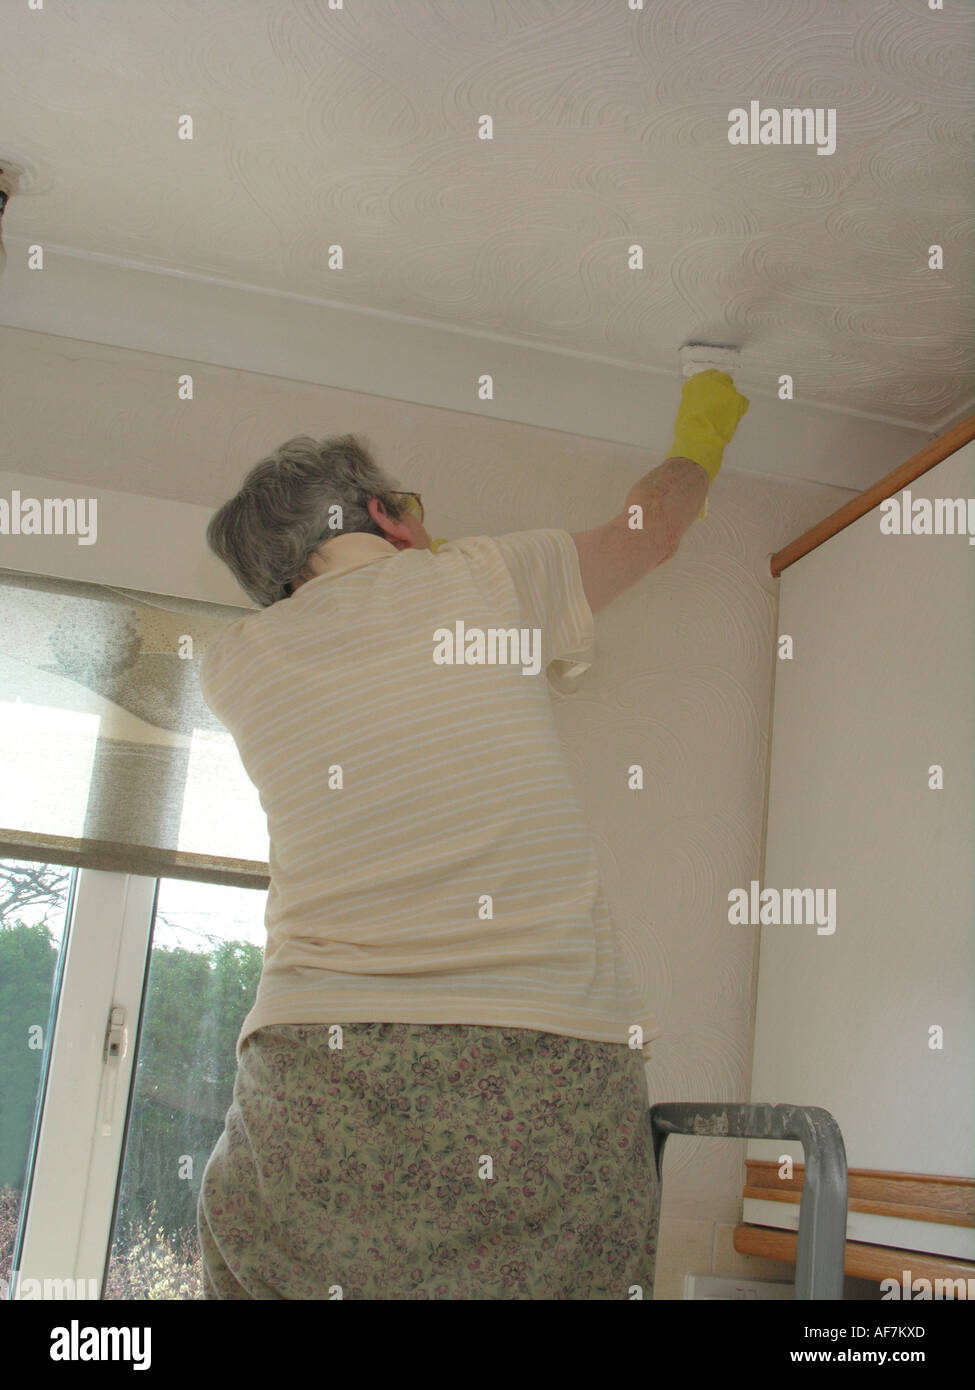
point(861, 1261)
point(932, 454)
point(119, 858)
point(947, 1200)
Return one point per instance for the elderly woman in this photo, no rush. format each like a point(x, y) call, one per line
point(441, 1088)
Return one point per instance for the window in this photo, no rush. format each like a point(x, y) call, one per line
point(133, 878)
point(35, 908)
point(207, 952)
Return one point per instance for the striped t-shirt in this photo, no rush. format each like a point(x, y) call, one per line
point(429, 860)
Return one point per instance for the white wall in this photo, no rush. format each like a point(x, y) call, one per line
point(881, 688)
point(681, 683)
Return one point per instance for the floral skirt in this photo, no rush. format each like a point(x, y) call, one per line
point(431, 1161)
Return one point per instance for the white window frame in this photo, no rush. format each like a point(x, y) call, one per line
point(70, 1192)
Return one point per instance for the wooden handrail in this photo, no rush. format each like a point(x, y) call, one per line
point(941, 1198)
point(934, 453)
point(862, 1261)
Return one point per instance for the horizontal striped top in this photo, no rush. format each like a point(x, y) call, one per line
point(429, 860)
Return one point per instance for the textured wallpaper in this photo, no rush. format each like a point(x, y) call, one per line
point(681, 682)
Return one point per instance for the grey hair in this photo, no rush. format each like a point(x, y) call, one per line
point(266, 533)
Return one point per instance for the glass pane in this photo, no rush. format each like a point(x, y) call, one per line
point(207, 953)
point(35, 902)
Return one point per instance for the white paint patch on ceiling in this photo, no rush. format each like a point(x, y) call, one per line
point(358, 126)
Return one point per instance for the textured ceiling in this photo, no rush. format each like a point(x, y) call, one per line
point(358, 126)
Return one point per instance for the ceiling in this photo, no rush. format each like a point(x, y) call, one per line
point(358, 126)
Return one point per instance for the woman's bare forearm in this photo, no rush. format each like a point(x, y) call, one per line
point(671, 496)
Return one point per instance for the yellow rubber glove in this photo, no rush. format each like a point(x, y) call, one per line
point(435, 545)
point(707, 418)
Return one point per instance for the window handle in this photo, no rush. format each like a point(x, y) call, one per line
point(116, 1045)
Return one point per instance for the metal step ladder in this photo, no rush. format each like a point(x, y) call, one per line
point(822, 1209)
